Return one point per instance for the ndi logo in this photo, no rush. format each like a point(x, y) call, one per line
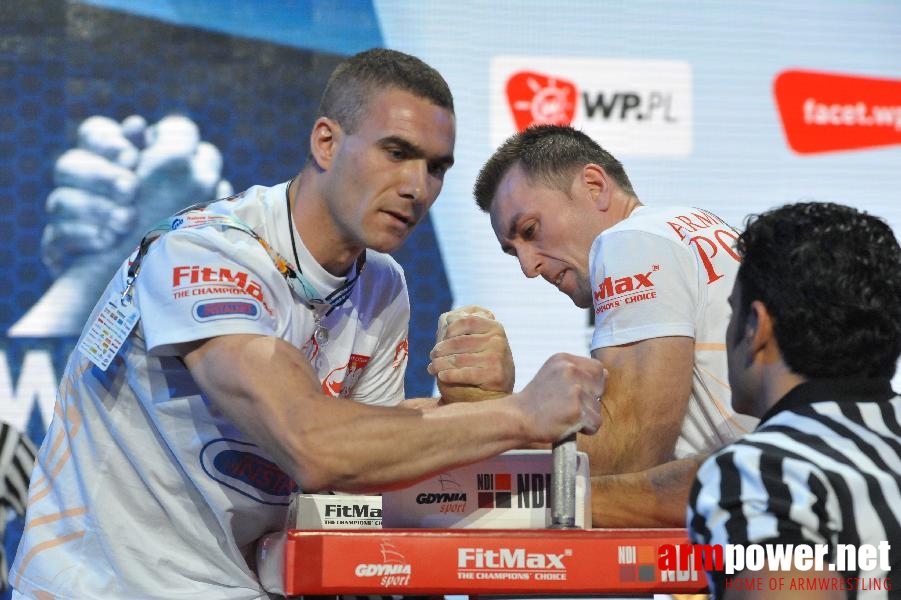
point(636, 563)
point(496, 490)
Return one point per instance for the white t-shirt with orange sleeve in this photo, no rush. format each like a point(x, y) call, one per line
point(669, 272)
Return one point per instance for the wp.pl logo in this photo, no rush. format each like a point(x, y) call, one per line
point(829, 112)
point(537, 99)
point(634, 107)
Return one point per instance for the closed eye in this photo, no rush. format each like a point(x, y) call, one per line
point(528, 231)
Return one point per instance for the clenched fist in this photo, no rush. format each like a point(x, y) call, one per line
point(563, 398)
point(471, 359)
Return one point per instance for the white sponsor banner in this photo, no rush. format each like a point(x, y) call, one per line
point(631, 107)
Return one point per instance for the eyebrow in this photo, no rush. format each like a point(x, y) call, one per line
point(415, 150)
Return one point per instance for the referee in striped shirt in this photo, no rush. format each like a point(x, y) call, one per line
point(812, 346)
point(16, 462)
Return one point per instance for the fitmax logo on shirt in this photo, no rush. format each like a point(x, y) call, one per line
point(196, 280)
point(613, 293)
point(195, 274)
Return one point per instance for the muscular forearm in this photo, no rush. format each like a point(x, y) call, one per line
point(270, 392)
point(656, 497)
point(268, 389)
point(382, 448)
point(644, 405)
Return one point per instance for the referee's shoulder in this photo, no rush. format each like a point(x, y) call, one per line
point(750, 448)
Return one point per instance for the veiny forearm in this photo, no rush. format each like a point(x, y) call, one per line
point(380, 448)
point(630, 441)
point(269, 391)
point(656, 497)
point(644, 404)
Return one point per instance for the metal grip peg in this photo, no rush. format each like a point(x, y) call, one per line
point(563, 484)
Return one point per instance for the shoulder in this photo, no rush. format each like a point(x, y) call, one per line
point(254, 206)
point(649, 236)
point(765, 463)
point(675, 222)
point(751, 453)
point(382, 279)
point(646, 223)
point(251, 209)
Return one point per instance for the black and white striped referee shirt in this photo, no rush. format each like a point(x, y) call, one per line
point(16, 462)
point(822, 467)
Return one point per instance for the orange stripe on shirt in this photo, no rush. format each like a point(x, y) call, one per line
point(43, 546)
point(38, 495)
point(724, 411)
point(55, 517)
point(74, 417)
point(710, 346)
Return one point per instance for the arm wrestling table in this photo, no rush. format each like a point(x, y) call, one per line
point(556, 561)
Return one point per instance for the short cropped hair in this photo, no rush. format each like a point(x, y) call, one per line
point(550, 155)
point(830, 276)
point(356, 80)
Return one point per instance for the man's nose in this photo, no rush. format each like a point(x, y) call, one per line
point(529, 262)
point(415, 184)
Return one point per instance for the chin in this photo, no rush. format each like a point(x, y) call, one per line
point(386, 245)
point(580, 301)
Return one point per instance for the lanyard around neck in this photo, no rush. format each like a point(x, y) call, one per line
point(194, 216)
point(338, 296)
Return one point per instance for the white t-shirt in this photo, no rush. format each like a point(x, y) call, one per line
point(669, 272)
point(142, 488)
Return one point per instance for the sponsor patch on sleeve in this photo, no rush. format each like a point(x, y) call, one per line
point(225, 308)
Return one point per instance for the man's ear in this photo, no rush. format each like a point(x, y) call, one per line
point(323, 141)
point(759, 329)
point(596, 181)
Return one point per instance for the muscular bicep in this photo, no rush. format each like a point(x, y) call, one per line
point(644, 403)
point(261, 384)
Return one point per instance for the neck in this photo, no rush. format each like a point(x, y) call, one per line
point(778, 380)
point(313, 223)
point(630, 205)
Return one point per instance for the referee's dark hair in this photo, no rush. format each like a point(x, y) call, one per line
point(830, 276)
